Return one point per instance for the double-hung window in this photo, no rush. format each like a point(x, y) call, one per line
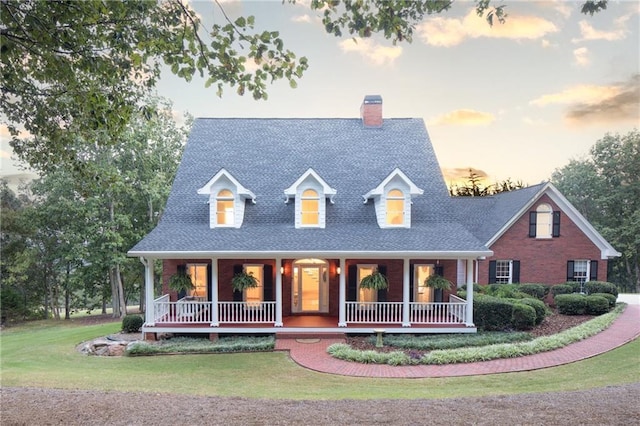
point(544, 222)
point(225, 211)
point(366, 295)
point(395, 207)
point(310, 210)
point(504, 271)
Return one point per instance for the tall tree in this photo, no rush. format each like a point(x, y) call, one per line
point(606, 188)
point(476, 188)
point(74, 69)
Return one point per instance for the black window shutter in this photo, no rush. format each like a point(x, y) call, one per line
point(411, 284)
point(570, 270)
point(532, 224)
point(352, 283)
point(555, 232)
point(439, 270)
point(492, 272)
point(237, 295)
point(382, 293)
point(515, 278)
point(209, 278)
point(438, 294)
point(181, 269)
point(267, 285)
point(593, 274)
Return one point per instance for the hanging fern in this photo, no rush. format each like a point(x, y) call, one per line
point(181, 281)
point(375, 281)
point(438, 282)
point(242, 281)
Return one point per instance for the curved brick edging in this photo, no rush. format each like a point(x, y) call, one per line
point(314, 356)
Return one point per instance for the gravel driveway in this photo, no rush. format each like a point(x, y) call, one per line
point(616, 405)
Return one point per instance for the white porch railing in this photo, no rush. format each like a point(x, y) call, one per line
point(436, 313)
point(184, 311)
point(459, 308)
point(242, 312)
point(374, 312)
point(161, 308)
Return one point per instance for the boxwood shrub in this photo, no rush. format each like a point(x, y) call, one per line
point(507, 291)
point(601, 287)
point(538, 291)
point(492, 313)
point(610, 297)
point(561, 289)
point(597, 305)
point(571, 304)
point(132, 323)
point(539, 307)
point(523, 317)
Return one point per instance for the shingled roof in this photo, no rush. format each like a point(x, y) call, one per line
point(268, 155)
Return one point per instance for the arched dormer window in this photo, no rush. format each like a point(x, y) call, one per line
point(395, 207)
point(310, 213)
point(392, 200)
point(309, 193)
point(227, 199)
point(225, 211)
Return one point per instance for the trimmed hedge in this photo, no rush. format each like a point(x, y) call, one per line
point(523, 317)
point(610, 297)
point(132, 323)
point(561, 289)
point(597, 305)
point(505, 291)
point(492, 313)
point(601, 287)
point(538, 291)
point(539, 307)
point(571, 304)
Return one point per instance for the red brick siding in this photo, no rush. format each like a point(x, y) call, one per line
point(543, 260)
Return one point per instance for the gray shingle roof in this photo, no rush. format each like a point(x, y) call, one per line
point(268, 155)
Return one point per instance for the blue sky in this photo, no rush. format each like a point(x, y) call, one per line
point(511, 101)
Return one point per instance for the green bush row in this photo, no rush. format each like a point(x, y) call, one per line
point(580, 304)
point(451, 341)
point(494, 313)
point(195, 345)
point(590, 287)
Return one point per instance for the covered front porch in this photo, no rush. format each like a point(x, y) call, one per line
point(337, 307)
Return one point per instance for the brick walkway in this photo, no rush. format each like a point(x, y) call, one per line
point(312, 354)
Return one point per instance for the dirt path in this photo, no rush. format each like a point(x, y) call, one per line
point(605, 406)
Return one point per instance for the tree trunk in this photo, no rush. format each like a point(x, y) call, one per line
point(67, 295)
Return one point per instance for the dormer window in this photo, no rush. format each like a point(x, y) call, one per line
point(225, 208)
point(395, 207)
point(392, 200)
point(227, 199)
point(309, 193)
point(544, 222)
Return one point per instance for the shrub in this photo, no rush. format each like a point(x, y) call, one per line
point(601, 287)
point(571, 304)
point(523, 317)
point(132, 323)
point(539, 307)
point(505, 291)
point(561, 289)
point(610, 297)
point(462, 294)
point(492, 313)
point(538, 291)
point(477, 288)
point(597, 305)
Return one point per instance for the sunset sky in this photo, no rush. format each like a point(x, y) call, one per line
point(511, 101)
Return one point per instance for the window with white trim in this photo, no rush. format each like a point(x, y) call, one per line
point(503, 271)
point(366, 295)
point(225, 211)
point(544, 221)
point(581, 271)
point(421, 292)
point(254, 296)
point(198, 274)
point(395, 207)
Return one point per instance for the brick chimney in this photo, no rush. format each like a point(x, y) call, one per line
point(371, 111)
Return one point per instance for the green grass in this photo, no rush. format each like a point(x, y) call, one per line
point(42, 354)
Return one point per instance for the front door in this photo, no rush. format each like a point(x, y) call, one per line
point(310, 287)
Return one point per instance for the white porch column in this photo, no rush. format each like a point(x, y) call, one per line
point(278, 322)
point(406, 296)
point(469, 319)
point(342, 316)
point(149, 307)
point(215, 321)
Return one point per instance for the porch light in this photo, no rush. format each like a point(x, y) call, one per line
point(338, 270)
point(281, 270)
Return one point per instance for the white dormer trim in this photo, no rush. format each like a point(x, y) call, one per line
point(396, 180)
point(221, 181)
point(310, 180)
